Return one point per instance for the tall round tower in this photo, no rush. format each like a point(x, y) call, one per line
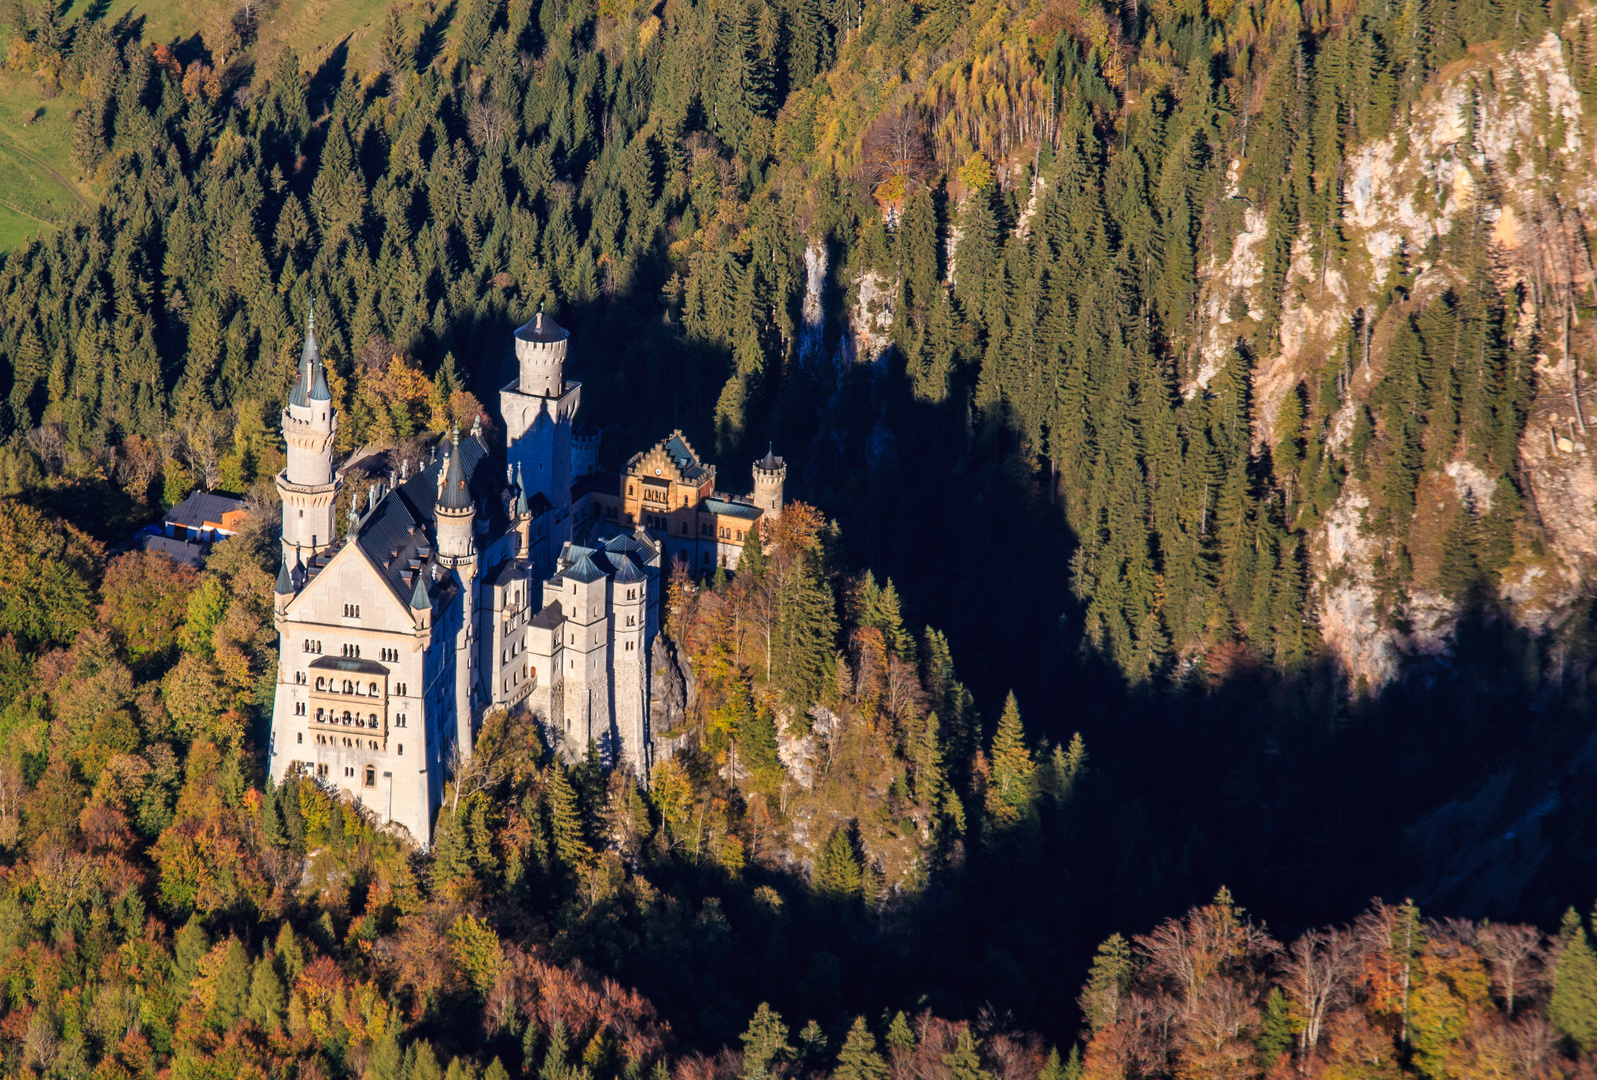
point(585, 450)
point(770, 472)
point(455, 508)
point(308, 485)
point(541, 354)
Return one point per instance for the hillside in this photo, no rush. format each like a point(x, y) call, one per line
point(1200, 382)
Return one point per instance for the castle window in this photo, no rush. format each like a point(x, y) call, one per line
point(349, 687)
point(401, 749)
point(371, 720)
point(371, 776)
point(319, 715)
point(299, 708)
point(373, 690)
point(351, 611)
point(347, 718)
point(320, 683)
point(632, 620)
point(301, 737)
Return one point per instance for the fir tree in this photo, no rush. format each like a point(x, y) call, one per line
point(1012, 792)
point(765, 1045)
point(859, 1058)
point(1573, 1005)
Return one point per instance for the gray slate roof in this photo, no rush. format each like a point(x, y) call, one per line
point(584, 570)
point(183, 551)
point(399, 534)
point(311, 382)
point(201, 507)
point(685, 461)
point(456, 495)
point(542, 329)
point(728, 508)
point(548, 616)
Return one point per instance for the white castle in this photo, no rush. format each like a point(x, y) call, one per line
point(454, 590)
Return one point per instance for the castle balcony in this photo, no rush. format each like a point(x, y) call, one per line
point(349, 697)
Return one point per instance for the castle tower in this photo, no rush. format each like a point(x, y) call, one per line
point(585, 451)
point(455, 515)
point(770, 472)
point(630, 664)
point(538, 409)
point(587, 649)
point(308, 485)
point(456, 509)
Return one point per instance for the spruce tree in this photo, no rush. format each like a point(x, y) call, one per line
point(566, 819)
point(838, 874)
point(965, 1061)
point(765, 1044)
point(1012, 792)
point(859, 1058)
point(1107, 983)
point(1573, 1005)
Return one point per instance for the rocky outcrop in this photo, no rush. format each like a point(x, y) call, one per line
point(1479, 140)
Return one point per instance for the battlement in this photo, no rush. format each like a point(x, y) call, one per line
point(541, 355)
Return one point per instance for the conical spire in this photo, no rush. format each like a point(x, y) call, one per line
point(311, 382)
point(285, 580)
point(522, 509)
point(455, 494)
point(419, 600)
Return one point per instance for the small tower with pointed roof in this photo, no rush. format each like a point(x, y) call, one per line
point(770, 473)
point(308, 485)
point(456, 508)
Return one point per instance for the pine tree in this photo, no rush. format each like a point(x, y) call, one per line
point(765, 1044)
point(566, 820)
point(805, 635)
point(900, 1036)
point(1573, 1005)
point(1012, 793)
point(965, 1061)
point(859, 1059)
point(1107, 983)
point(837, 869)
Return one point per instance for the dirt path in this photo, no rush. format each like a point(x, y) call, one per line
point(72, 189)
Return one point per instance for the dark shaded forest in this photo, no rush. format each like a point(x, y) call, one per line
point(1018, 489)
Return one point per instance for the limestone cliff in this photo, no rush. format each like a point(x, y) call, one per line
point(1504, 134)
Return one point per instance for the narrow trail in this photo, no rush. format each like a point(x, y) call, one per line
point(6, 144)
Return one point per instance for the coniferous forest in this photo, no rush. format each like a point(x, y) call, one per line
point(1020, 749)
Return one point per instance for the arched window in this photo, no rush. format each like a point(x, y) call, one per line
point(374, 690)
point(349, 687)
point(373, 719)
point(347, 718)
point(321, 684)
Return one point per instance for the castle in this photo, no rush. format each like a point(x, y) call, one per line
point(462, 586)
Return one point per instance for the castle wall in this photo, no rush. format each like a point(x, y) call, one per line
point(385, 765)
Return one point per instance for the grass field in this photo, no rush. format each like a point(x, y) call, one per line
point(37, 189)
point(312, 28)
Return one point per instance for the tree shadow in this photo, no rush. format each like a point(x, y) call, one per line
point(431, 41)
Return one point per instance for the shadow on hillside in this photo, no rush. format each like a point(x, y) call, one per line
point(1302, 800)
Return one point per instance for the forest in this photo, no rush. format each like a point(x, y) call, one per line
point(1044, 617)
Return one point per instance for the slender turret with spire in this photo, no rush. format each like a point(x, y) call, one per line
point(308, 485)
